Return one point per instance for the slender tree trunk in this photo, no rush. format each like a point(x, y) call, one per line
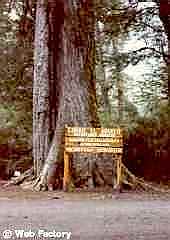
point(119, 85)
point(76, 102)
point(120, 98)
point(104, 84)
point(165, 18)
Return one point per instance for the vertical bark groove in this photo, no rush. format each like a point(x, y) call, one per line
point(40, 89)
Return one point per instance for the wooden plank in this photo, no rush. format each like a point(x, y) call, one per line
point(94, 149)
point(93, 142)
point(119, 172)
point(93, 132)
point(93, 139)
point(89, 144)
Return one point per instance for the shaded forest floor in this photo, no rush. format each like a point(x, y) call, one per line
point(17, 192)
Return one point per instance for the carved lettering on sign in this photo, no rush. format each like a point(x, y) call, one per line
point(94, 149)
point(93, 140)
point(93, 132)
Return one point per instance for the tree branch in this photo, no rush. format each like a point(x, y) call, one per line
point(146, 48)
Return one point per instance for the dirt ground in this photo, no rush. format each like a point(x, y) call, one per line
point(87, 215)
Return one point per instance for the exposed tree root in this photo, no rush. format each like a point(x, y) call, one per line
point(26, 176)
point(134, 182)
point(40, 184)
point(27, 181)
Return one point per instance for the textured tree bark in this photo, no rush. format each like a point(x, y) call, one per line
point(76, 103)
point(165, 18)
point(104, 85)
point(120, 98)
point(40, 89)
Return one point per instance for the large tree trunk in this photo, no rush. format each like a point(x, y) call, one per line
point(41, 89)
point(76, 102)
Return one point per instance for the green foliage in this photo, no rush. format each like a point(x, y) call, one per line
point(147, 148)
point(16, 75)
point(15, 95)
point(106, 119)
point(7, 117)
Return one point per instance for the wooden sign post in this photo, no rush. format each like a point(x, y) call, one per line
point(66, 179)
point(92, 140)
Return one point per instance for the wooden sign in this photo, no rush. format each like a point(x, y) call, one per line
point(93, 132)
point(92, 140)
